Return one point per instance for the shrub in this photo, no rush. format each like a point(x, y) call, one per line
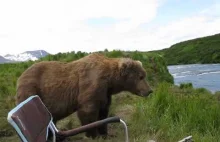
point(186, 85)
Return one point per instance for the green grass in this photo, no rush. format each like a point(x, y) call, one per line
point(9, 73)
point(169, 114)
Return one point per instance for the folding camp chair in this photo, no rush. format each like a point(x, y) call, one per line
point(32, 122)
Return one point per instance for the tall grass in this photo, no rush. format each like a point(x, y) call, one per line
point(168, 116)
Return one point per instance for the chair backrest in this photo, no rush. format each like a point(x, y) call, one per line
point(31, 120)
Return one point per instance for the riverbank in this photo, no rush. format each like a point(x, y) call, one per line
point(200, 75)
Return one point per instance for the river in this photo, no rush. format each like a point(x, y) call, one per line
point(200, 75)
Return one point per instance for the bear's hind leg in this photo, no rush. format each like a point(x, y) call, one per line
point(25, 91)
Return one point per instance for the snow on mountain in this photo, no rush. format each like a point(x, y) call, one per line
point(28, 55)
point(21, 57)
point(3, 60)
point(37, 53)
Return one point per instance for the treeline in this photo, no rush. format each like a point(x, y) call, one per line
point(154, 64)
point(200, 50)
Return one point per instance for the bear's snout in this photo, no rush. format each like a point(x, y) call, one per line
point(147, 93)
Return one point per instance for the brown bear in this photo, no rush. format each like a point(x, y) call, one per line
point(85, 85)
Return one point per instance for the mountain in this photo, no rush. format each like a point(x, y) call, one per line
point(200, 50)
point(3, 60)
point(25, 56)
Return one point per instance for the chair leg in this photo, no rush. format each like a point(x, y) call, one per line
point(53, 132)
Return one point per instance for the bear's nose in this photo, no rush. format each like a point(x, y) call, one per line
point(151, 91)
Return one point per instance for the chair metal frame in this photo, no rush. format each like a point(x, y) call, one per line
point(54, 129)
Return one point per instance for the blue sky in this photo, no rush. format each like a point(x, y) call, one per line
point(144, 25)
point(170, 10)
point(176, 9)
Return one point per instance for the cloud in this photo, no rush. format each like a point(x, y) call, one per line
point(200, 24)
point(85, 25)
point(160, 35)
point(61, 25)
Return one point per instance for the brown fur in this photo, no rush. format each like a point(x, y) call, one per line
point(84, 85)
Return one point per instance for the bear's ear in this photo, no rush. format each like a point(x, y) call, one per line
point(140, 63)
point(124, 65)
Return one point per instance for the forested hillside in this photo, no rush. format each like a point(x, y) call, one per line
point(200, 50)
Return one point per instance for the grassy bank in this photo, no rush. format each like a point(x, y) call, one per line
point(169, 114)
point(172, 113)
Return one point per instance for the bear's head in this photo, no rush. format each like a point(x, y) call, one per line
point(133, 77)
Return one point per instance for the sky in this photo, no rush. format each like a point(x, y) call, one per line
point(94, 25)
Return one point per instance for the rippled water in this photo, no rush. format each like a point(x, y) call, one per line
point(200, 75)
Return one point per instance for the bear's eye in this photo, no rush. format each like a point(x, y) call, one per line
point(141, 77)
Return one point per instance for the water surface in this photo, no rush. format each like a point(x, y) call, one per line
point(200, 75)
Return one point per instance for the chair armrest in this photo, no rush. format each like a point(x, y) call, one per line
point(87, 127)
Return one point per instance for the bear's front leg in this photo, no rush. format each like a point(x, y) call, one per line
point(103, 113)
point(103, 131)
point(88, 113)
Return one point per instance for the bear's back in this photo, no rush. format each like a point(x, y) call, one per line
point(38, 69)
point(33, 79)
